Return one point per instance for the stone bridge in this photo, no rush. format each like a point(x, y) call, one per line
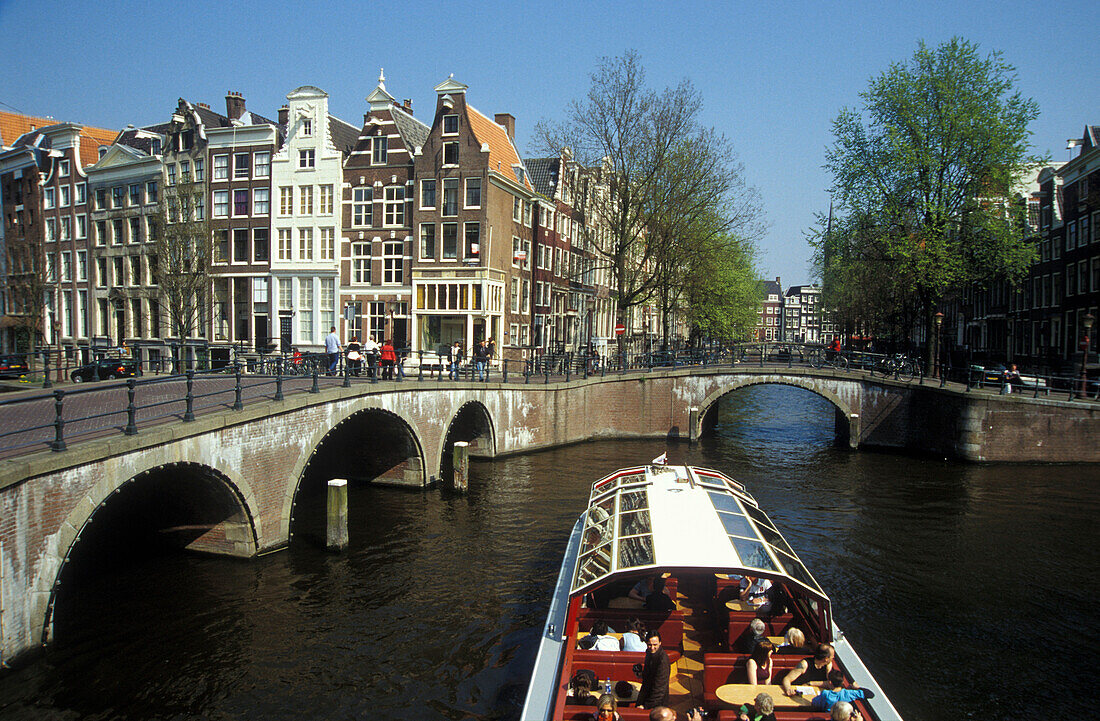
point(239, 482)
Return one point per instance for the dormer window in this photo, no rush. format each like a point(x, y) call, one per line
point(102, 150)
point(450, 125)
point(307, 127)
point(450, 153)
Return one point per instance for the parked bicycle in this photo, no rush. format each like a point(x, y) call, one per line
point(896, 366)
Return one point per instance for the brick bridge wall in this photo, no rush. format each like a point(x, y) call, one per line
point(260, 453)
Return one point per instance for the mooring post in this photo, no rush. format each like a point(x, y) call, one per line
point(853, 431)
point(462, 466)
point(337, 514)
point(693, 424)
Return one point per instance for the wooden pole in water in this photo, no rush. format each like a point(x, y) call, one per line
point(337, 514)
point(461, 466)
point(693, 424)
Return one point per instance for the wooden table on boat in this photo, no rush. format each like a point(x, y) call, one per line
point(737, 605)
point(741, 693)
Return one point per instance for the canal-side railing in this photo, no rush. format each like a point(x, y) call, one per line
point(82, 410)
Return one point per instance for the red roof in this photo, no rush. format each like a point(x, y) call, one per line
point(502, 152)
point(12, 125)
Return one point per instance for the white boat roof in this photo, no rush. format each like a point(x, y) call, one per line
point(681, 517)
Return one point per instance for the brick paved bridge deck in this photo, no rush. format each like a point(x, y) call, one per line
point(231, 481)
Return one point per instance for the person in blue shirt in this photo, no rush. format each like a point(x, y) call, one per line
point(836, 692)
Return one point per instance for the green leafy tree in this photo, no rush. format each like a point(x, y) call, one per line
point(924, 175)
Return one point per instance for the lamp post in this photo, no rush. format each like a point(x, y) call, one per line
point(1087, 322)
point(936, 365)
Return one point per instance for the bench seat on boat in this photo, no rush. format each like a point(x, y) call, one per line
point(614, 661)
point(670, 624)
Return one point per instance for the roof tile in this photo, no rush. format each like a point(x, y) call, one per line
point(502, 152)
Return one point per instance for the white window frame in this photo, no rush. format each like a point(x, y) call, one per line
point(393, 262)
point(221, 199)
point(221, 168)
point(362, 201)
point(261, 201)
point(307, 158)
point(393, 207)
point(466, 193)
point(443, 124)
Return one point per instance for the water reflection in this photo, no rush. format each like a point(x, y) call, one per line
point(944, 576)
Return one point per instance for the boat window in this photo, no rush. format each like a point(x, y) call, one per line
point(759, 516)
point(737, 525)
point(772, 536)
point(632, 501)
point(637, 551)
point(593, 565)
point(633, 524)
point(798, 572)
point(724, 502)
point(753, 554)
point(708, 483)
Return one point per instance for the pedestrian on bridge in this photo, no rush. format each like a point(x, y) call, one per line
point(332, 347)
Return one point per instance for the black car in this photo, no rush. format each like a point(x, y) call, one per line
point(13, 366)
point(105, 368)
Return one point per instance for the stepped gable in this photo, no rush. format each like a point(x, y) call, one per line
point(503, 157)
point(544, 174)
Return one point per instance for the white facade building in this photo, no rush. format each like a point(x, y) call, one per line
point(306, 177)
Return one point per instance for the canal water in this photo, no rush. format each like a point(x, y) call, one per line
point(970, 591)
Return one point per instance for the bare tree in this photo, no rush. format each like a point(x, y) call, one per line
point(655, 170)
point(184, 252)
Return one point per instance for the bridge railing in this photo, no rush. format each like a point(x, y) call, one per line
point(52, 419)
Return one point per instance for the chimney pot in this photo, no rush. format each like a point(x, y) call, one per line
point(509, 123)
point(234, 105)
point(284, 115)
point(407, 105)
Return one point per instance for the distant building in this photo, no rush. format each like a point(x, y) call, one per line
point(769, 324)
point(805, 319)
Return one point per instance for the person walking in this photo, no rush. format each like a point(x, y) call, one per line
point(481, 359)
point(455, 359)
point(332, 348)
point(389, 360)
point(370, 352)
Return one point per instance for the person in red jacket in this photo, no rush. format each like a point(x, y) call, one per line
point(388, 359)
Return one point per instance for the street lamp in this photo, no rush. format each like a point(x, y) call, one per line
point(1087, 322)
point(937, 367)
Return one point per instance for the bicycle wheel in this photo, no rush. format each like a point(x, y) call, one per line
point(906, 370)
point(817, 360)
point(841, 362)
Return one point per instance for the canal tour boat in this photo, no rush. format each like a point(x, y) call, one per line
point(701, 531)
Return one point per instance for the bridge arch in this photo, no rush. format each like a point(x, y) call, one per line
point(179, 504)
point(473, 424)
point(380, 445)
point(847, 418)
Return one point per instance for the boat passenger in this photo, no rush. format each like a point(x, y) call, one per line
point(755, 590)
point(794, 643)
point(632, 639)
point(606, 709)
point(809, 670)
point(655, 673)
point(604, 642)
point(754, 634)
point(658, 600)
point(844, 711)
point(641, 589)
point(664, 713)
point(836, 692)
point(759, 666)
point(762, 708)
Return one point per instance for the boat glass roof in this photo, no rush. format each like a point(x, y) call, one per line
point(677, 517)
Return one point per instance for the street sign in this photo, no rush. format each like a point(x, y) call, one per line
point(620, 329)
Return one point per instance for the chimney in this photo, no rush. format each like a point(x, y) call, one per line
point(284, 115)
point(204, 106)
point(234, 105)
point(407, 105)
point(508, 122)
point(777, 282)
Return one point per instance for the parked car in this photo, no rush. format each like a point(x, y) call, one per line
point(992, 376)
point(13, 366)
point(106, 368)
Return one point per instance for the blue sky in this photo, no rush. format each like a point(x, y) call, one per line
point(772, 75)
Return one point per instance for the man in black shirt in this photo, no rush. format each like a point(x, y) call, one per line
point(655, 673)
